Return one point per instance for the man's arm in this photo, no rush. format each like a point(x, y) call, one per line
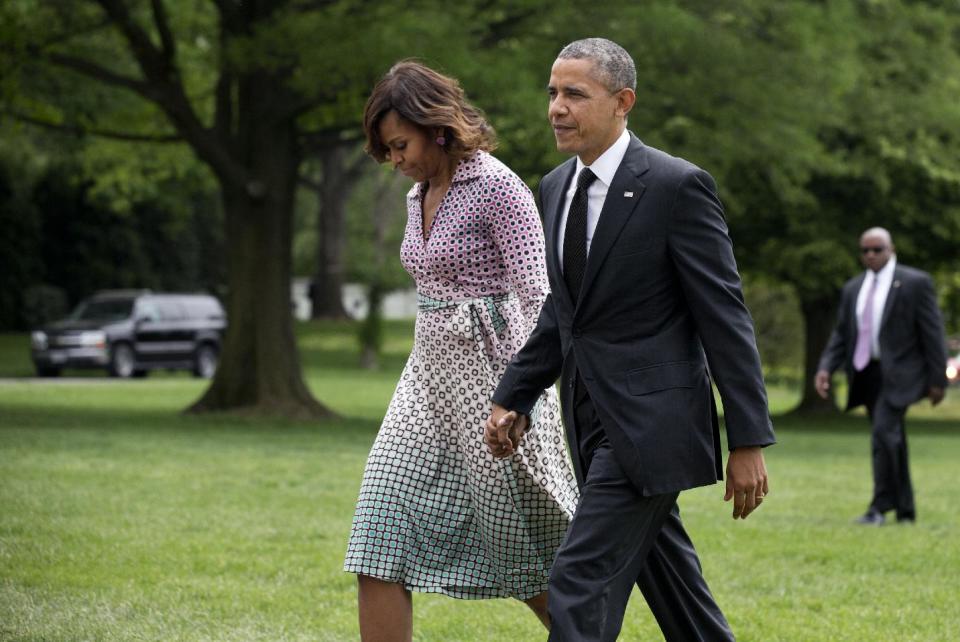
point(931, 335)
point(835, 352)
point(701, 250)
point(535, 367)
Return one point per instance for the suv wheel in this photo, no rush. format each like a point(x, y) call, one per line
point(205, 361)
point(122, 361)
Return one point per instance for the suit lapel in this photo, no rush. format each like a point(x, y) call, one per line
point(624, 195)
point(892, 295)
point(853, 325)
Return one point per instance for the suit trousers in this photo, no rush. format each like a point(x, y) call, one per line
point(619, 537)
point(892, 488)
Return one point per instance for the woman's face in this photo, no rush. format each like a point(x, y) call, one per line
point(409, 148)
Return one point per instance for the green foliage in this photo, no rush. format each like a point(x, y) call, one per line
point(375, 228)
point(62, 235)
point(43, 304)
point(19, 242)
point(888, 154)
point(948, 284)
point(779, 328)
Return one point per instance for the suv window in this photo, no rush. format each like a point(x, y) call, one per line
point(202, 308)
point(148, 310)
point(170, 310)
point(103, 310)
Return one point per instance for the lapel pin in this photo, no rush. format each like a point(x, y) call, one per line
point(628, 194)
point(896, 284)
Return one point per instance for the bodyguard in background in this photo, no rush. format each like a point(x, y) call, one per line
point(890, 339)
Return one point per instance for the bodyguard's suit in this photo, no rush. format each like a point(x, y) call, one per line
point(660, 299)
point(913, 358)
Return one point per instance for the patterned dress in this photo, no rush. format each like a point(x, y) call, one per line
point(436, 511)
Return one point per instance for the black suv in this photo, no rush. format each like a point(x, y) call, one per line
point(131, 332)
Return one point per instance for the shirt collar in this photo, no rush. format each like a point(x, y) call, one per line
point(886, 272)
point(470, 167)
point(606, 165)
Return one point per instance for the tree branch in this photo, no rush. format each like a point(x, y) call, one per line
point(78, 130)
point(357, 166)
point(320, 139)
point(223, 105)
point(503, 29)
point(60, 38)
point(97, 72)
point(311, 5)
point(163, 28)
point(152, 61)
point(168, 93)
point(309, 183)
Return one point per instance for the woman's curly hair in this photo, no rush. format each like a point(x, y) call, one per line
point(430, 101)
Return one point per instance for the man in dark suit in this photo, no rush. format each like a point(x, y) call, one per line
point(890, 339)
point(645, 293)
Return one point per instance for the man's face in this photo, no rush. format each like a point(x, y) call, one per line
point(586, 117)
point(875, 251)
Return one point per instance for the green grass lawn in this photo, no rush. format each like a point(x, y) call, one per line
point(121, 519)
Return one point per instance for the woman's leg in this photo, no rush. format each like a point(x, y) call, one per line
point(538, 604)
point(386, 611)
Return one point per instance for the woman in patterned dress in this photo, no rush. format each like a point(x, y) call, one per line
point(437, 513)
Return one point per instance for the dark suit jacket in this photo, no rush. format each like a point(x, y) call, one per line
point(660, 287)
point(913, 349)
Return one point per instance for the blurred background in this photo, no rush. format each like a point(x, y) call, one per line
point(215, 147)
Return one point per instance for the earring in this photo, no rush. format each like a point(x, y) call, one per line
point(441, 141)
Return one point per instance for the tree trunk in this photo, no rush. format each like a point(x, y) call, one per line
point(259, 369)
point(371, 329)
point(326, 289)
point(819, 315)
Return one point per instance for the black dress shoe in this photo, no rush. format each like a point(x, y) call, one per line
point(871, 518)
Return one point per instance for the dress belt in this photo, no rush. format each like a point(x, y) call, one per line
point(478, 318)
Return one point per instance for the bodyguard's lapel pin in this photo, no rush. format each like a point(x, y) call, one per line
point(628, 194)
point(896, 284)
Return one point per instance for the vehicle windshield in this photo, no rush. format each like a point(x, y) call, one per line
point(103, 310)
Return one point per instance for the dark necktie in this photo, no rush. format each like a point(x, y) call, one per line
point(575, 235)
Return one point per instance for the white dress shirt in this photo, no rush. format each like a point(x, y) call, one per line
point(603, 168)
point(884, 280)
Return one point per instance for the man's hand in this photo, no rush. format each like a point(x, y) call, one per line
point(746, 480)
point(821, 381)
point(503, 431)
point(936, 394)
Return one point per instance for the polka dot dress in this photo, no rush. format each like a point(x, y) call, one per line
point(436, 511)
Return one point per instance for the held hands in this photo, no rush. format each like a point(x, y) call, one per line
point(821, 381)
point(503, 431)
point(746, 480)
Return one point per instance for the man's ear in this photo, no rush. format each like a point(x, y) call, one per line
point(626, 98)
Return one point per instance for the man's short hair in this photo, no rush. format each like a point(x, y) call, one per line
point(615, 65)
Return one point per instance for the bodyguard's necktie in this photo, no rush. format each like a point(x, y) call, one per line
point(861, 354)
point(575, 235)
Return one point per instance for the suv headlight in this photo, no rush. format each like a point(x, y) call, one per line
point(93, 339)
point(38, 339)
